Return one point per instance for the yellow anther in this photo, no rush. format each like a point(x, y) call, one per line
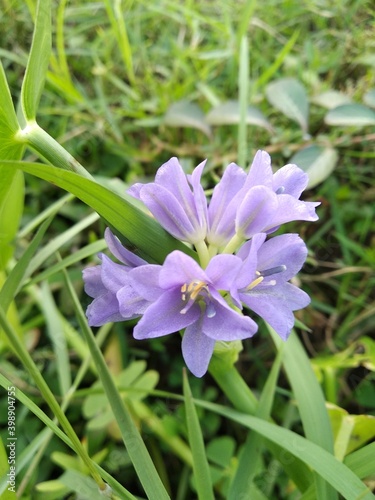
point(254, 283)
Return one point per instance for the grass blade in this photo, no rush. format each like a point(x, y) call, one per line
point(241, 486)
point(135, 446)
point(138, 230)
point(338, 475)
point(37, 65)
point(310, 400)
point(201, 469)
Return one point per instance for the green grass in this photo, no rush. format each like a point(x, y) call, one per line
point(108, 88)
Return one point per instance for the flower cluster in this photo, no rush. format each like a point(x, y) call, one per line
point(238, 265)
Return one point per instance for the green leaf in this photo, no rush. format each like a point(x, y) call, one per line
point(289, 96)
point(201, 470)
point(362, 462)
point(338, 475)
point(139, 231)
point(131, 437)
point(37, 64)
point(351, 115)
point(55, 332)
point(317, 162)
point(20, 270)
point(12, 191)
point(251, 453)
point(310, 400)
point(331, 99)
point(228, 113)
point(186, 114)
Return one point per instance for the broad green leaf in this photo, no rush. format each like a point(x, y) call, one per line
point(350, 115)
point(338, 475)
point(289, 96)
point(186, 114)
point(220, 450)
point(331, 99)
point(369, 98)
point(51, 490)
point(139, 231)
point(12, 191)
point(317, 162)
point(310, 401)
point(37, 64)
point(201, 470)
point(8, 118)
point(228, 113)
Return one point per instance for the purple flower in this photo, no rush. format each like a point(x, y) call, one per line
point(176, 200)
point(103, 282)
point(243, 205)
point(262, 282)
point(183, 295)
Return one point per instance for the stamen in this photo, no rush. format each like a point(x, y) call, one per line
point(280, 190)
point(191, 291)
point(263, 274)
point(273, 270)
point(254, 283)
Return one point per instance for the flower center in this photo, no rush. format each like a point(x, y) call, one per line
point(191, 292)
point(263, 274)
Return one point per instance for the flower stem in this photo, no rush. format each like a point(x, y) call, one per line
point(38, 139)
point(212, 250)
point(233, 386)
point(233, 244)
point(203, 254)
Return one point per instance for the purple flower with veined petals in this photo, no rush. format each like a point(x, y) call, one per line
point(262, 282)
point(176, 200)
point(258, 202)
point(189, 297)
point(103, 282)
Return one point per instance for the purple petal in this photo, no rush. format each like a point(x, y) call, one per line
point(288, 250)
point(179, 268)
point(93, 281)
point(170, 213)
point(249, 253)
point(275, 305)
point(164, 317)
point(131, 304)
point(120, 252)
point(103, 309)
point(197, 349)
point(145, 281)
point(291, 179)
point(228, 324)
point(135, 190)
point(199, 195)
point(256, 211)
point(114, 276)
point(222, 270)
point(224, 199)
point(290, 209)
point(260, 173)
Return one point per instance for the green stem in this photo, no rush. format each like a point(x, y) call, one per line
point(38, 139)
point(202, 251)
point(233, 244)
point(233, 386)
point(47, 394)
